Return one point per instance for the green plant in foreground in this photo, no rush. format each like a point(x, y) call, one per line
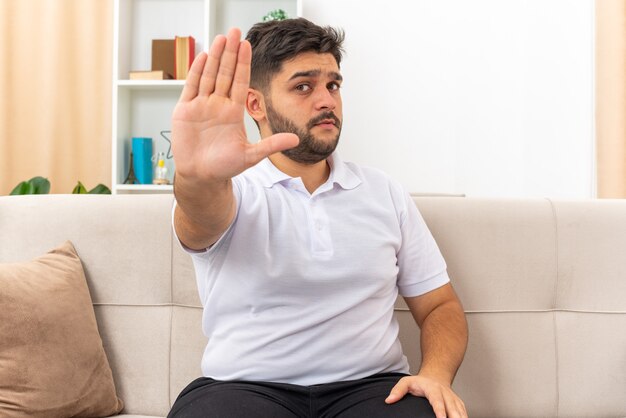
point(99, 189)
point(36, 185)
point(40, 185)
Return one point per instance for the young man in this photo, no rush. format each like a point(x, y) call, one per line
point(300, 256)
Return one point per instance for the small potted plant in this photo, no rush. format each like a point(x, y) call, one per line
point(278, 14)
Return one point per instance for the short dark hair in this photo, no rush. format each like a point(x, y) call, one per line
point(277, 41)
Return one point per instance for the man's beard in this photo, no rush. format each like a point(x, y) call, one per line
point(310, 150)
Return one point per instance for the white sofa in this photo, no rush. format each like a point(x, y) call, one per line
point(543, 284)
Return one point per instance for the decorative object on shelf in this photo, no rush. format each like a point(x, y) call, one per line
point(185, 48)
point(278, 14)
point(149, 75)
point(164, 56)
point(169, 142)
point(41, 185)
point(131, 178)
point(142, 164)
point(160, 172)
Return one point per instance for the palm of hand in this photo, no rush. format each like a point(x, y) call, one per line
point(210, 138)
point(208, 135)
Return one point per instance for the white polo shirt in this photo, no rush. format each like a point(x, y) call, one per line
point(301, 288)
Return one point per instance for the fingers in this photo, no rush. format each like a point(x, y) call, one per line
point(207, 82)
point(241, 80)
point(454, 406)
point(228, 63)
point(438, 404)
point(445, 403)
point(398, 391)
point(268, 146)
point(226, 66)
point(190, 90)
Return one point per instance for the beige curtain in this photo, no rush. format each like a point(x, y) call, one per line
point(611, 97)
point(55, 92)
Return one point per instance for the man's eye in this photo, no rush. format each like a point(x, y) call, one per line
point(334, 86)
point(303, 87)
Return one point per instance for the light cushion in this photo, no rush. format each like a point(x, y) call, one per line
point(52, 362)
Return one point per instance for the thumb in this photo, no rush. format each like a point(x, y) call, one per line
point(399, 390)
point(270, 145)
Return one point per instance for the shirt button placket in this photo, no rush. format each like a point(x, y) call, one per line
point(320, 235)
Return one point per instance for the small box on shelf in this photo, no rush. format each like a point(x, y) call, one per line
point(149, 75)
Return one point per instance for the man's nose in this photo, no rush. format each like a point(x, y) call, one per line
point(324, 99)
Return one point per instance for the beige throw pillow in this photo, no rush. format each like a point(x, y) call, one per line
point(52, 363)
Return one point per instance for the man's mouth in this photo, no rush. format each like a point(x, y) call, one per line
point(325, 121)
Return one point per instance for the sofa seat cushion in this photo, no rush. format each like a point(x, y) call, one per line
point(52, 362)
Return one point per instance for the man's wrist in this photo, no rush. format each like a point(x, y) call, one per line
point(190, 184)
point(442, 377)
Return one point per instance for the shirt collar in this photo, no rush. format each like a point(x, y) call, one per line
point(268, 174)
point(340, 173)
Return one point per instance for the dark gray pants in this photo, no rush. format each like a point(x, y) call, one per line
point(362, 398)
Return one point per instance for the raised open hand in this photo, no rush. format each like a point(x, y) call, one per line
point(209, 139)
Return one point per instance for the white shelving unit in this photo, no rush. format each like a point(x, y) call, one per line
point(144, 108)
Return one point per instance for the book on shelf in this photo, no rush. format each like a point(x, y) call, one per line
point(149, 75)
point(185, 47)
point(164, 56)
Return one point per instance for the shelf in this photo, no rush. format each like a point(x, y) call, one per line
point(151, 84)
point(143, 108)
point(143, 188)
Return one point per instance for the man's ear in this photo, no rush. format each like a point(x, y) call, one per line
point(255, 105)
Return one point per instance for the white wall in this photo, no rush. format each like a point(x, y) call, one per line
point(482, 97)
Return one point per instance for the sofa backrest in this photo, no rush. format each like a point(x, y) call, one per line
point(142, 286)
point(543, 284)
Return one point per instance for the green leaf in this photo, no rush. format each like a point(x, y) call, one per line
point(36, 185)
point(278, 14)
point(40, 185)
point(100, 189)
point(79, 189)
point(24, 187)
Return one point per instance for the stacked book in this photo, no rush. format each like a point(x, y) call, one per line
point(185, 53)
point(171, 59)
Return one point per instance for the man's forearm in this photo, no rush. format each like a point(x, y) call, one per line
point(441, 319)
point(443, 342)
point(203, 211)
